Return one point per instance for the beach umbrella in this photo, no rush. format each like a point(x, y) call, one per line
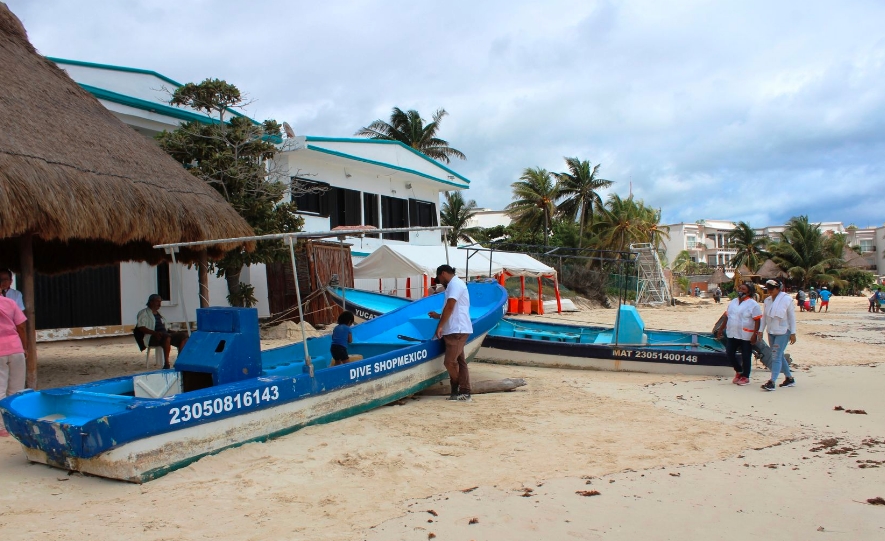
point(79, 188)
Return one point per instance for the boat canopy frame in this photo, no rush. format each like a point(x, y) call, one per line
point(290, 239)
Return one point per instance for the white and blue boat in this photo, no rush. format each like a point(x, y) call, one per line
point(628, 346)
point(224, 391)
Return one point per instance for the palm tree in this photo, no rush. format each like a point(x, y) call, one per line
point(805, 254)
point(682, 261)
point(750, 247)
point(579, 189)
point(456, 212)
point(408, 128)
point(622, 222)
point(533, 197)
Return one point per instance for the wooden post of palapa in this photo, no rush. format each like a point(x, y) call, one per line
point(26, 259)
point(204, 279)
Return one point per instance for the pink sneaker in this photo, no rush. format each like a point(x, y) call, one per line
point(737, 377)
point(743, 381)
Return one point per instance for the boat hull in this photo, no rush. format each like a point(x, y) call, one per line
point(151, 457)
point(523, 352)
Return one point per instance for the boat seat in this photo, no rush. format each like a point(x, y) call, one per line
point(547, 336)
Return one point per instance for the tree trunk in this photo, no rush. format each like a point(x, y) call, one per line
point(581, 228)
point(478, 387)
point(232, 276)
point(26, 259)
point(546, 227)
point(204, 279)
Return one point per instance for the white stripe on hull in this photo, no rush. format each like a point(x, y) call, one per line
point(521, 358)
point(135, 461)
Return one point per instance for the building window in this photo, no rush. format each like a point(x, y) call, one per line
point(867, 246)
point(421, 213)
point(691, 242)
point(310, 197)
point(164, 283)
point(345, 207)
point(394, 213)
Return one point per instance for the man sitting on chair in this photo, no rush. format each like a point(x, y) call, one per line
point(150, 322)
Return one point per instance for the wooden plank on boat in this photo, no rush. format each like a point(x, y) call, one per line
point(478, 387)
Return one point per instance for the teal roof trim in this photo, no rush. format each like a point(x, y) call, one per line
point(114, 68)
point(146, 105)
point(360, 254)
point(384, 164)
point(384, 142)
point(144, 72)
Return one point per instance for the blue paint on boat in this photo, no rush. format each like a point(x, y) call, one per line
point(224, 375)
point(365, 304)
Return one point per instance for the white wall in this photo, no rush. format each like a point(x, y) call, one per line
point(139, 280)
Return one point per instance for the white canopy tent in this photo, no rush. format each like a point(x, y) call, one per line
point(405, 261)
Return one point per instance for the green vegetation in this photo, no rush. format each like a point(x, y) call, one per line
point(750, 247)
point(408, 128)
point(534, 197)
point(232, 156)
point(456, 213)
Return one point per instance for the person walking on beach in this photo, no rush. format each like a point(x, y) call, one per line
point(874, 300)
point(454, 328)
point(13, 348)
point(717, 295)
point(825, 295)
point(780, 320)
point(742, 317)
point(800, 300)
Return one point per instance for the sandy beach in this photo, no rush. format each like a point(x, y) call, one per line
point(671, 457)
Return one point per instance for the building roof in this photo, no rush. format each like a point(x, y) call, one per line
point(91, 190)
point(389, 155)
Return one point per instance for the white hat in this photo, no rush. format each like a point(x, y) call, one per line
point(824, 287)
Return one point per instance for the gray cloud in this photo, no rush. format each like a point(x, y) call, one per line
point(752, 110)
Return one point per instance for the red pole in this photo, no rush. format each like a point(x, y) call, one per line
point(540, 298)
point(380, 287)
point(408, 288)
point(521, 287)
point(558, 298)
point(426, 290)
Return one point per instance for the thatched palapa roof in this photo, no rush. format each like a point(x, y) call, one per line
point(91, 190)
point(769, 271)
point(854, 260)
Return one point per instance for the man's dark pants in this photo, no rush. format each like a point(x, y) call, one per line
point(731, 348)
point(455, 362)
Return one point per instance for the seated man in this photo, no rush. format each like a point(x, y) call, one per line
point(150, 322)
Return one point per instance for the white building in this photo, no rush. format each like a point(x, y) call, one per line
point(707, 241)
point(486, 218)
point(362, 182)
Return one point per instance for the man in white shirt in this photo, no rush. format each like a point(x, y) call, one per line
point(741, 325)
point(454, 328)
point(780, 320)
point(7, 291)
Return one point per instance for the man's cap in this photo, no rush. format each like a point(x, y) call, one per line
point(444, 268)
point(153, 297)
point(812, 287)
point(772, 283)
point(824, 287)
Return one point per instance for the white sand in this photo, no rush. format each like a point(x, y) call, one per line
point(374, 476)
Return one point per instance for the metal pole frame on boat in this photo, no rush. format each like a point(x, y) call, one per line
point(307, 361)
point(187, 323)
point(343, 287)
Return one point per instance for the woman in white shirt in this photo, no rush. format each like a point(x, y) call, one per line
point(742, 317)
point(780, 320)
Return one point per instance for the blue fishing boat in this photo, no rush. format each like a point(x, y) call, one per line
point(365, 305)
point(224, 391)
point(628, 346)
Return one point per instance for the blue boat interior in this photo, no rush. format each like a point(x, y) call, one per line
point(631, 331)
point(376, 302)
point(226, 349)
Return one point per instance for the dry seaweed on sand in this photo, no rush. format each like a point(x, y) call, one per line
point(587, 492)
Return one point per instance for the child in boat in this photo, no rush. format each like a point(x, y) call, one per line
point(341, 337)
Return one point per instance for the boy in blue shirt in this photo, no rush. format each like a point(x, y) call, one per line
point(341, 337)
point(825, 295)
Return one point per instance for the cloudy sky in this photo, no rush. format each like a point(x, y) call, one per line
point(750, 110)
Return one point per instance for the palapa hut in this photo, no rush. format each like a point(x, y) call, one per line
point(771, 271)
point(78, 187)
point(854, 260)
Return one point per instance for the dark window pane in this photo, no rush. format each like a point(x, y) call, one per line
point(164, 289)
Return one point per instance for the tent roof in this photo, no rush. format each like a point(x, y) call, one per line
point(92, 190)
point(401, 260)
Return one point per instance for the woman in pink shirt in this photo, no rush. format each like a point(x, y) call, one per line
point(13, 342)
